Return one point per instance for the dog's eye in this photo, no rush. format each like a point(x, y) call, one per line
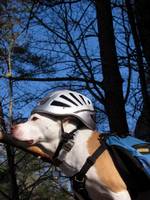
point(34, 119)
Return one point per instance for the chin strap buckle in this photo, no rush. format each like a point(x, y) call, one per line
point(68, 146)
point(65, 145)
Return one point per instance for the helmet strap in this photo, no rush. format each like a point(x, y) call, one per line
point(65, 145)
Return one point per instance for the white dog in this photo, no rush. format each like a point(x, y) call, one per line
point(60, 114)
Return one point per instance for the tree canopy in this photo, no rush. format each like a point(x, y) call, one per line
point(100, 48)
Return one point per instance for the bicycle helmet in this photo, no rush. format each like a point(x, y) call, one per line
point(68, 103)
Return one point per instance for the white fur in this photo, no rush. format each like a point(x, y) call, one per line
point(47, 132)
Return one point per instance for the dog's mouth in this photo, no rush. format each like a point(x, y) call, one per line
point(26, 142)
point(29, 142)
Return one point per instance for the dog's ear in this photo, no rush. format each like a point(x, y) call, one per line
point(73, 120)
point(70, 119)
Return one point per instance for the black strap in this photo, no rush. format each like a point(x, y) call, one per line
point(79, 179)
point(91, 160)
point(79, 189)
point(65, 137)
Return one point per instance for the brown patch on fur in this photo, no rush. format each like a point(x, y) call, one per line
point(39, 152)
point(105, 168)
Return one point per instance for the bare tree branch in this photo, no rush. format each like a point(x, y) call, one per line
point(54, 79)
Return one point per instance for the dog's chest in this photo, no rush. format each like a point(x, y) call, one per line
point(103, 181)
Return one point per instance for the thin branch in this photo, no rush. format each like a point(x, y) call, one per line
point(53, 79)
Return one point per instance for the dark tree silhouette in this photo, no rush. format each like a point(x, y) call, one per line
point(112, 82)
point(139, 22)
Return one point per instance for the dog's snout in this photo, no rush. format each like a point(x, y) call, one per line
point(14, 128)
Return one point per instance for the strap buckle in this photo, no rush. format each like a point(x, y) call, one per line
point(68, 146)
point(77, 179)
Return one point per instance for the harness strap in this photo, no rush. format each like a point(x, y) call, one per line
point(65, 145)
point(79, 179)
point(90, 161)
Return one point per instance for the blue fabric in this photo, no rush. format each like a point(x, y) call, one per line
point(127, 144)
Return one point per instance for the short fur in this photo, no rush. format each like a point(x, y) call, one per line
point(103, 180)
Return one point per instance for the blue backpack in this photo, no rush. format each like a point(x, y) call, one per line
point(132, 159)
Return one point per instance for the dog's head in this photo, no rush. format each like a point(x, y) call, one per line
point(39, 129)
point(44, 125)
point(43, 130)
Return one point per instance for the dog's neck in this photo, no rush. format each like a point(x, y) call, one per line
point(76, 157)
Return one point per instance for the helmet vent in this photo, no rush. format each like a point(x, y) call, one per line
point(57, 103)
point(66, 98)
point(82, 99)
point(89, 102)
point(76, 98)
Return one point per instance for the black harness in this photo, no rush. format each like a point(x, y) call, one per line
point(66, 143)
point(78, 180)
point(120, 159)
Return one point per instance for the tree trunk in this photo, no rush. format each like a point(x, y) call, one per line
point(114, 101)
point(10, 158)
point(139, 22)
point(143, 21)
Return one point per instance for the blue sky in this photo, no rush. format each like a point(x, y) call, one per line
point(43, 42)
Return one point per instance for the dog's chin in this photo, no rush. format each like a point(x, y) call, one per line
point(25, 142)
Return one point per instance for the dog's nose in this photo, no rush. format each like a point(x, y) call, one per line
point(13, 128)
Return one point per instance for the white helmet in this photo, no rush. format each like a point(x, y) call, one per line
point(68, 103)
